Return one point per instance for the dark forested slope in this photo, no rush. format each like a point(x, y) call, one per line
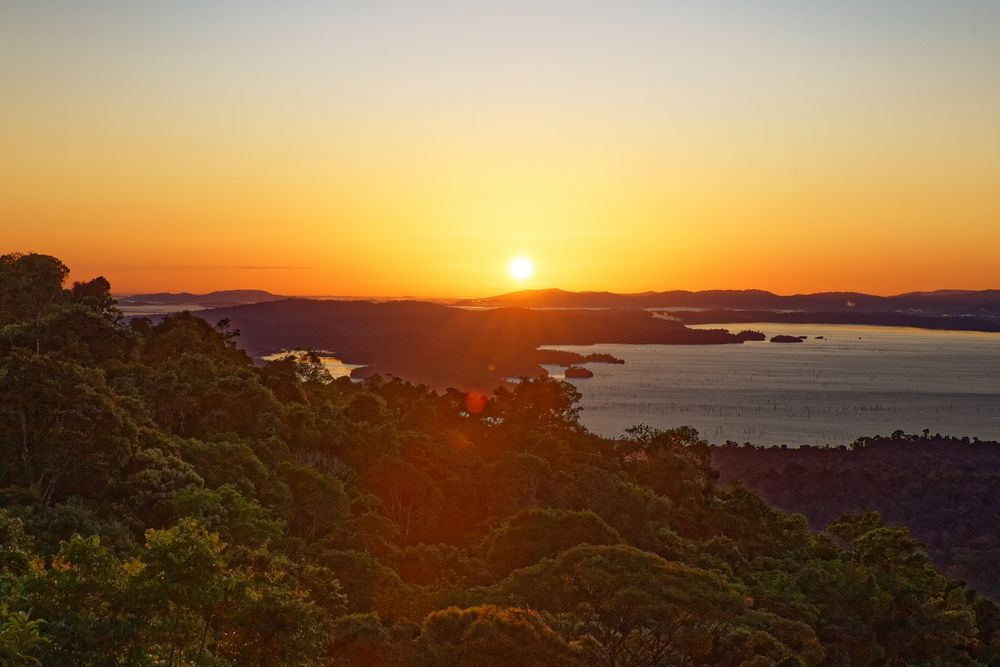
point(167, 502)
point(944, 489)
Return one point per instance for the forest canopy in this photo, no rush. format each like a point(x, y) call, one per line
point(168, 501)
point(902, 476)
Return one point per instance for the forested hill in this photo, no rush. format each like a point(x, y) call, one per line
point(443, 346)
point(167, 502)
point(943, 488)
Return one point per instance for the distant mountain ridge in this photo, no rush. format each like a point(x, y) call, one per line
point(940, 302)
point(219, 298)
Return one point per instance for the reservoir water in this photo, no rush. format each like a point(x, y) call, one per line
point(852, 382)
point(333, 365)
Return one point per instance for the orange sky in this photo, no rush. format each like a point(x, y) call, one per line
point(387, 150)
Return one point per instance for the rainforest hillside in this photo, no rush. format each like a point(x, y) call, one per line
point(167, 502)
point(943, 488)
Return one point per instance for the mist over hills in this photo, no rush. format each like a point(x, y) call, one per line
point(218, 298)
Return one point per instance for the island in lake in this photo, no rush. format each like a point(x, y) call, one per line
point(578, 373)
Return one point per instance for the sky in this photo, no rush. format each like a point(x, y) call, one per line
point(414, 148)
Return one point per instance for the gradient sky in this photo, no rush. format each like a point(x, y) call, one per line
point(388, 148)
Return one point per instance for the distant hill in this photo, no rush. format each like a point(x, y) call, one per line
point(942, 303)
point(216, 299)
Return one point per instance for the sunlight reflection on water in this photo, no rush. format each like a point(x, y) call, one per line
point(333, 365)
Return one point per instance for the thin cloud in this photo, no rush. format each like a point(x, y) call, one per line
point(202, 267)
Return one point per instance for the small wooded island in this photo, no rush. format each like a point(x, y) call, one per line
point(750, 334)
point(782, 338)
point(565, 358)
point(578, 372)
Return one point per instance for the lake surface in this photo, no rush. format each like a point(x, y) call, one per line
point(856, 381)
point(334, 366)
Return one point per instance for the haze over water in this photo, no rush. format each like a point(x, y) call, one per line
point(857, 381)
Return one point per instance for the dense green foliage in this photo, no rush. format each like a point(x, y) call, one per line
point(944, 489)
point(167, 502)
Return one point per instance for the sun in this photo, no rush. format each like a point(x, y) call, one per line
point(520, 268)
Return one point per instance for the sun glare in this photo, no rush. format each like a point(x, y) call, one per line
point(520, 268)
